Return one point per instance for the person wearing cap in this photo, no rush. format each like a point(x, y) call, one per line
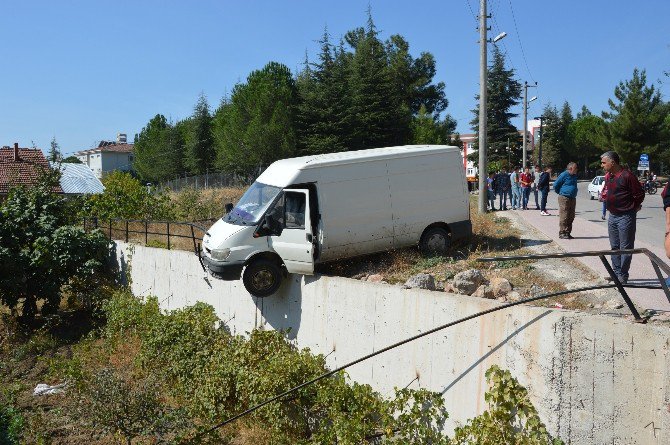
point(624, 199)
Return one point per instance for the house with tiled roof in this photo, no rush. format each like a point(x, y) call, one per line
point(108, 156)
point(21, 166)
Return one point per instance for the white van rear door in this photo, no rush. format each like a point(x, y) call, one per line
point(295, 244)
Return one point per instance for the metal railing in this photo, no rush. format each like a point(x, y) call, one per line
point(126, 229)
point(657, 263)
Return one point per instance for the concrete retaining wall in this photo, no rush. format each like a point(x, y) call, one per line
point(593, 379)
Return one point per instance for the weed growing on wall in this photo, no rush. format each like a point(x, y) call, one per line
point(185, 371)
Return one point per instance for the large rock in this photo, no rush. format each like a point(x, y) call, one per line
point(468, 281)
point(421, 281)
point(484, 291)
point(501, 286)
point(376, 278)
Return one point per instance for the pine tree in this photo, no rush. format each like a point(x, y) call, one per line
point(374, 106)
point(257, 126)
point(567, 149)
point(636, 118)
point(552, 139)
point(584, 112)
point(54, 152)
point(504, 93)
point(199, 151)
point(157, 153)
point(324, 112)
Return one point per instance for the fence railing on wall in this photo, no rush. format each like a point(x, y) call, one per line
point(166, 234)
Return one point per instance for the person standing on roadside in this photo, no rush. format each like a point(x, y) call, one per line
point(666, 208)
point(526, 180)
point(566, 187)
point(501, 185)
point(516, 189)
point(543, 187)
point(624, 199)
point(491, 195)
point(603, 198)
point(536, 179)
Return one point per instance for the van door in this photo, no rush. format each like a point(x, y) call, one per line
point(295, 244)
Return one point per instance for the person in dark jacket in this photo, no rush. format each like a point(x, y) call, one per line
point(502, 185)
point(543, 188)
point(566, 187)
point(666, 208)
point(624, 199)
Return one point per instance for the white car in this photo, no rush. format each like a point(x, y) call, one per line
point(596, 187)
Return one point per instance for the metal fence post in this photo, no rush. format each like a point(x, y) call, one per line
point(621, 289)
point(110, 228)
point(126, 230)
point(146, 232)
point(168, 235)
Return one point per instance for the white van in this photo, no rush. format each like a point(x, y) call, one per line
point(313, 209)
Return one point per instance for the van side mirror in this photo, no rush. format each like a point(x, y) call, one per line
point(229, 207)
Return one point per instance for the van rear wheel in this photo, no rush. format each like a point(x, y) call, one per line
point(262, 278)
point(435, 241)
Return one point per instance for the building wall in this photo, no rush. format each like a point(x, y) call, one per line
point(116, 161)
point(593, 379)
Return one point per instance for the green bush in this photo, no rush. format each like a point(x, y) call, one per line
point(510, 419)
point(40, 251)
point(11, 424)
point(201, 375)
point(125, 197)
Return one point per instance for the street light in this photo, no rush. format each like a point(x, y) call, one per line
point(525, 117)
point(539, 154)
point(500, 36)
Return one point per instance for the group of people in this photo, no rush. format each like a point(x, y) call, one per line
point(517, 186)
point(622, 196)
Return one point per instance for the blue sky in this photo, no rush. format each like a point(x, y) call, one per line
point(84, 70)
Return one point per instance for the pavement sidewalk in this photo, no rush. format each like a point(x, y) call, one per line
point(593, 236)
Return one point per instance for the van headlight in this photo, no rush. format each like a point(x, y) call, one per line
point(220, 254)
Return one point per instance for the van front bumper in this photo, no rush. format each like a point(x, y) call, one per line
point(225, 271)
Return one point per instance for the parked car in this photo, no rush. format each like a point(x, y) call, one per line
point(309, 210)
point(596, 187)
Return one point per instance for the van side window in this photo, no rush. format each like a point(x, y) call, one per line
point(294, 206)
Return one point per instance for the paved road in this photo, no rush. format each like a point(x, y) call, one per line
point(590, 233)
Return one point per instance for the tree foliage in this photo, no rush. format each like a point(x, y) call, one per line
point(635, 118)
point(199, 151)
point(158, 151)
point(503, 93)
point(125, 197)
point(55, 154)
point(257, 126)
point(40, 251)
point(588, 135)
point(510, 419)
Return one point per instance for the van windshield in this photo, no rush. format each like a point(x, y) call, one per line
point(253, 204)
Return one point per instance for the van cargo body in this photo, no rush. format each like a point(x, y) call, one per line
point(309, 210)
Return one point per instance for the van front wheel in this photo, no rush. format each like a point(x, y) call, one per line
point(435, 241)
point(262, 278)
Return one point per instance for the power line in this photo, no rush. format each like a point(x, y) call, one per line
point(516, 28)
point(471, 11)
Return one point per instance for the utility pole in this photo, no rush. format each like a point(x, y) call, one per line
point(482, 203)
point(539, 154)
point(525, 118)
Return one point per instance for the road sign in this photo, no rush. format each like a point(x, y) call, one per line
point(644, 162)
